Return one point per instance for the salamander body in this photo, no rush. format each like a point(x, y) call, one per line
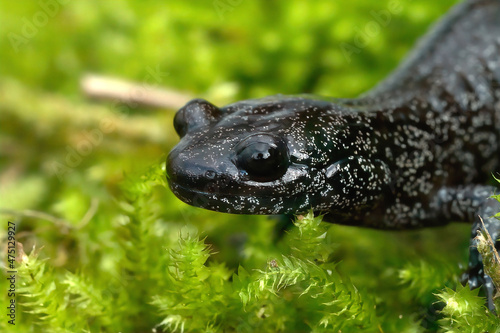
point(418, 150)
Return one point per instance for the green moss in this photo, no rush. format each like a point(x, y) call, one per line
point(115, 251)
point(156, 273)
point(464, 311)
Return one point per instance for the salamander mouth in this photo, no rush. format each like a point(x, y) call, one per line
point(190, 193)
point(233, 203)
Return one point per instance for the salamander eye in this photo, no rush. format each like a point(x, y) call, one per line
point(263, 157)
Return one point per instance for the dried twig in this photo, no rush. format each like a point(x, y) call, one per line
point(94, 204)
point(36, 214)
point(100, 87)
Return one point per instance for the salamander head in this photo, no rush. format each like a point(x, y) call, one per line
point(251, 157)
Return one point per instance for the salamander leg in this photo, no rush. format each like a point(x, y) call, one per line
point(467, 204)
point(476, 275)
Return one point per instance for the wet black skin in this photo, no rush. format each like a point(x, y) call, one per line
point(416, 151)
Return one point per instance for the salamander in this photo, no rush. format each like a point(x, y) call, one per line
point(418, 150)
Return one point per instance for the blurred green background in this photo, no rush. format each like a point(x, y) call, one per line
point(220, 50)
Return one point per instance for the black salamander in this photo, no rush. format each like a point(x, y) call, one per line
point(416, 151)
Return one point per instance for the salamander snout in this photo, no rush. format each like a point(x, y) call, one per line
point(195, 114)
point(190, 169)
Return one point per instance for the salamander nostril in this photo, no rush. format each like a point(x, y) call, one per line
point(210, 174)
